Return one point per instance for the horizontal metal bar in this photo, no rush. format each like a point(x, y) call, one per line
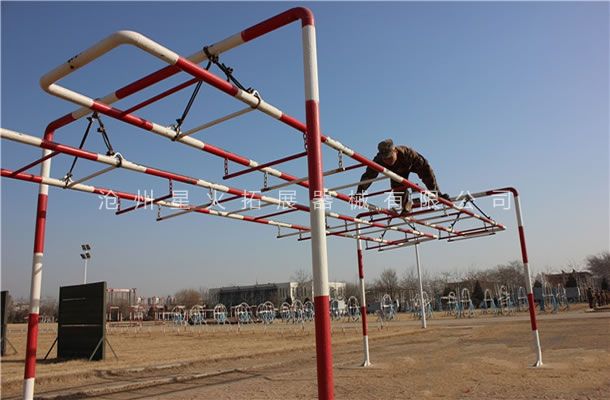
point(133, 197)
point(216, 122)
point(304, 179)
point(122, 163)
point(368, 232)
point(277, 213)
point(137, 206)
point(93, 175)
point(162, 95)
point(381, 178)
point(473, 233)
point(176, 214)
point(469, 236)
point(413, 243)
point(268, 164)
point(242, 210)
point(34, 163)
point(204, 206)
point(402, 188)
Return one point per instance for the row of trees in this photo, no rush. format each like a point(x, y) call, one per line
point(510, 275)
point(389, 281)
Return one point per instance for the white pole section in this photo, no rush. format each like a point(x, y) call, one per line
point(421, 288)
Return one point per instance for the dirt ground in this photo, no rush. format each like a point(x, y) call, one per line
point(479, 358)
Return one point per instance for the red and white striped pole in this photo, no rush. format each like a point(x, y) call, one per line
point(317, 215)
point(36, 282)
point(365, 334)
point(526, 267)
point(528, 279)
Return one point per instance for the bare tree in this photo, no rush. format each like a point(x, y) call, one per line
point(599, 265)
point(204, 292)
point(188, 297)
point(409, 281)
point(49, 307)
point(388, 282)
point(301, 276)
point(352, 289)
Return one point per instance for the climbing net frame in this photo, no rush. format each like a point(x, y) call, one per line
point(423, 224)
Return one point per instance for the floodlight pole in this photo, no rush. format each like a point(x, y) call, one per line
point(421, 288)
point(85, 277)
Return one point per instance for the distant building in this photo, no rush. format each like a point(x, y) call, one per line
point(584, 279)
point(116, 297)
point(277, 293)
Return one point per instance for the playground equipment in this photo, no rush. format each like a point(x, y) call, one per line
point(309, 311)
point(113, 313)
point(353, 309)
point(136, 313)
point(416, 307)
point(522, 302)
point(450, 304)
point(335, 310)
point(444, 221)
point(387, 308)
point(489, 305)
point(505, 302)
point(465, 306)
point(179, 315)
point(554, 298)
point(298, 312)
point(286, 312)
point(266, 312)
point(220, 314)
point(242, 313)
point(197, 315)
point(562, 298)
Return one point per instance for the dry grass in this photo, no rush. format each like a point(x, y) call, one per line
point(485, 357)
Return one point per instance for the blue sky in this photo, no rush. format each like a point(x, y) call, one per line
point(493, 94)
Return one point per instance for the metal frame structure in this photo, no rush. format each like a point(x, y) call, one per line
point(419, 226)
point(468, 234)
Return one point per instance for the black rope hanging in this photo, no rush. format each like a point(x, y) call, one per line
point(187, 109)
point(228, 71)
point(102, 130)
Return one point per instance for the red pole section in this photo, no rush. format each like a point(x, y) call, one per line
point(365, 335)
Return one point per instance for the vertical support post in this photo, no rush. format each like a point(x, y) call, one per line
point(528, 280)
point(85, 277)
point(36, 281)
point(317, 215)
point(421, 289)
point(365, 335)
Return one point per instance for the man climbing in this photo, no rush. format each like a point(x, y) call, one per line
point(401, 160)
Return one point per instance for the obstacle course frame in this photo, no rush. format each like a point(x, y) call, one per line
point(411, 228)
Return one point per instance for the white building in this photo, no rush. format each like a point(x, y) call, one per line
point(277, 293)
